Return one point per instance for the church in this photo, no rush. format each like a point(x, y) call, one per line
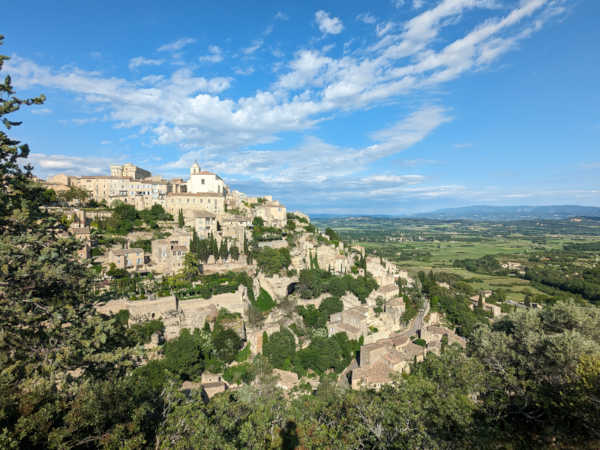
point(201, 182)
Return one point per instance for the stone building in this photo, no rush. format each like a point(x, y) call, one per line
point(202, 181)
point(188, 203)
point(205, 223)
point(82, 233)
point(379, 360)
point(352, 321)
point(127, 258)
point(234, 228)
point(129, 170)
point(272, 213)
point(168, 256)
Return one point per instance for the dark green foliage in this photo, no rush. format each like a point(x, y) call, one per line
point(332, 235)
point(184, 356)
point(243, 354)
point(214, 284)
point(582, 281)
point(420, 342)
point(582, 247)
point(125, 218)
point(142, 332)
point(226, 343)
point(280, 348)
point(322, 354)
point(486, 264)
point(317, 318)
point(74, 194)
point(50, 329)
point(153, 215)
point(264, 302)
point(242, 373)
point(454, 304)
point(315, 282)
point(145, 244)
point(272, 261)
point(180, 219)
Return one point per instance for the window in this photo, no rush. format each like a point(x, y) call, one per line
point(202, 180)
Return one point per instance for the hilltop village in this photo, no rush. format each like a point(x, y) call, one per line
point(179, 256)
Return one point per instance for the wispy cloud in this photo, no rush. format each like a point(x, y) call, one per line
point(176, 45)
point(215, 54)
point(245, 71)
point(257, 44)
point(139, 61)
point(367, 18)
point(229, 131)
point(46, 165)
point(463, 145)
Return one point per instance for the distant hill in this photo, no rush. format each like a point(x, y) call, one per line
point(485, 212)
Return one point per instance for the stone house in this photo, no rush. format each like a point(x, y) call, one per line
point(490, 307)
point(209, 390)
point(205, 223)
point(384, 357)
point(127, 258)
point(234, 228)
point(433, 335)
point(168, 255)
point(352, 321)
point(272, 212)
point(188, 203)
point(83, 234)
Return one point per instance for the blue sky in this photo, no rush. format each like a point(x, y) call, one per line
point(387, 107)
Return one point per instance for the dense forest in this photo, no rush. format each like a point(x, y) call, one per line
point(72, 378)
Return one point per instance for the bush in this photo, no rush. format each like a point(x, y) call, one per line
point(183, 356)
point(264, 302)
point(142, 332)
point(272, 261)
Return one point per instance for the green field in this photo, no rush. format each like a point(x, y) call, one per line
point(425, 245)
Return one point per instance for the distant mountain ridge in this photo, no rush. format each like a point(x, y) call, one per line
point(486, 212)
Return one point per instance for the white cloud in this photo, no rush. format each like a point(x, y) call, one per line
point(281, 16)
point(398, 3)
point(318, 161)
point(48, 165)
point(367, 18)
point(418, 4)
point(246, 71)
point(257, 44)
point(176, 45)
point(382, 29)
point(105, 142)
point(139, 61)
point(327, 24)
point(463, 145)
point(215, 54)
point(196, 113)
